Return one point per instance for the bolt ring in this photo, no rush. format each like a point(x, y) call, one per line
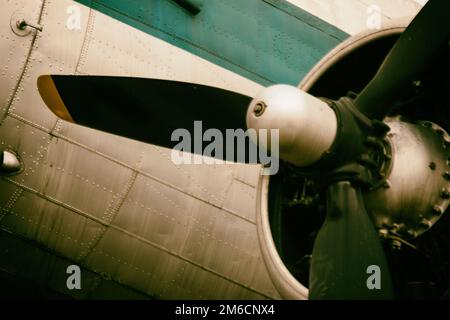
point(259, 108)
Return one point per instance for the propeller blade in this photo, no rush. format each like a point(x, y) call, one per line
point(346, 247)
point(148, 110)
point(423, 41)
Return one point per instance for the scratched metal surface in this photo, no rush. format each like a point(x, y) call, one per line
point(120, 209)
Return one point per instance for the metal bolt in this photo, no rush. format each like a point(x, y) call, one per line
point(21, 24)
point(383, 233)
point(259, 108)
point(425, 223)
point(439, 132)
point(437, 210)
point(432, 165)
point(446, 175)
point(396, 244)
point(445, 193)
point(412, 233)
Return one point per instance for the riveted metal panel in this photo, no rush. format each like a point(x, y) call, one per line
point(257, 39)
point(56, 50)
point(132, 261)
point(29, 142)
point(14, 48)
point(47, 271)
point(241, 198)
point(51, 225)
point(113, 47)
point(8, 196)
point(186, 227)
point(71, 178)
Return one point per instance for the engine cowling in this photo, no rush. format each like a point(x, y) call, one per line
point(408, 208)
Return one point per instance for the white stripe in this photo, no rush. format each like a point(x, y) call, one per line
point(352, 16)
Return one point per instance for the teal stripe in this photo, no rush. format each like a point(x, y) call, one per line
point(267, 41)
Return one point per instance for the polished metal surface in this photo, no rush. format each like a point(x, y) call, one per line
point(416, 194)
point(307, 125)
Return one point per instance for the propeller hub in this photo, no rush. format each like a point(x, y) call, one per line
point(306, 124)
